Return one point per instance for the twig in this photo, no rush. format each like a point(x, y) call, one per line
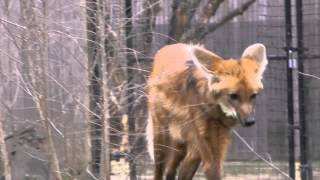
point(91, 174)
point(259, 156)
point(34, 156)
point(12, 23)
point(55, 128)
point(71, 95)
point(309, 75)
point(21, 133)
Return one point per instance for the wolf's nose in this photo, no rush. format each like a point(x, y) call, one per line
point(246, 121)
point(249, 122)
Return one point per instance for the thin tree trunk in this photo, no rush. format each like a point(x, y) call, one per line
point(94, 86)
point(37, 62)
point(97, 22)
point(130, 78)
point(103, 19)
point(88, 143)
point(142, 43)
point(5, 169)
point(5, 165)
point(42, 108)
point(42, 102)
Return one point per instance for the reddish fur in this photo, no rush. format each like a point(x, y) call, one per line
point(186, 125)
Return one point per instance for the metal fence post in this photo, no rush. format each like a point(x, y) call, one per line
point(291, 144)
point(305, 167)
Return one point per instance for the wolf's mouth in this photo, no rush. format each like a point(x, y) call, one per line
point(231, 112)
point(228, 110)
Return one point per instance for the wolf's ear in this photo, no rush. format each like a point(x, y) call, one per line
point(258, 53)
point(205, 61)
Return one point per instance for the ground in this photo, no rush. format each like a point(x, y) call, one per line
point(232, 171)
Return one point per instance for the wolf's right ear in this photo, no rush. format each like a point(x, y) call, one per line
point(206, 61)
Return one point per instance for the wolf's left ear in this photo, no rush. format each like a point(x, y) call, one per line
point(258, 53)
point(205, 61)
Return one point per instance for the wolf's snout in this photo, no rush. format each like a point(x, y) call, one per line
point(246, 115)
point(247, 122)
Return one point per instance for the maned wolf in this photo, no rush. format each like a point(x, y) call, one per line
point(194, 98)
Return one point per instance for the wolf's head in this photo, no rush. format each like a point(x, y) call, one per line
point(233, 84)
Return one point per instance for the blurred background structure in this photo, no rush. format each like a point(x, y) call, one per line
point(72, 86)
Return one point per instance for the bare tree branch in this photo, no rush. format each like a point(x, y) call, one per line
point(199, 32)
point(209, 10)
point(182, 14)
point(153, 8)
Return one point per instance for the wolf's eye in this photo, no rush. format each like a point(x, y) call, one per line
point(234, 96)
point(253, 96)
